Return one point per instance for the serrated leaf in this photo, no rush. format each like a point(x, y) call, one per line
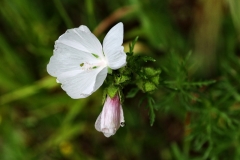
point(146, 86)
point(121, 79)
point(148, 79)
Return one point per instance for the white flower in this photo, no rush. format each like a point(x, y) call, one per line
point(111, 117)
point(80, 63)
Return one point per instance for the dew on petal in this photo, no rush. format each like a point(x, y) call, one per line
point(122, 124)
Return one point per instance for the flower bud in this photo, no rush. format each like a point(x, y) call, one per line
point(111, 117)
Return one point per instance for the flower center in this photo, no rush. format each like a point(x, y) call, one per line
point(86, 66)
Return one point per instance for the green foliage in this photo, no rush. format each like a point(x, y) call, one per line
point(151, 110)
point(148, 79)
point(123, 77)
point(132, 93)
point(112, 91)
point(131, 46)
point(151, 103)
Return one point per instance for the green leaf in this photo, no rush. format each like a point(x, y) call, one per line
point(135, 62)
point(151, 110)
point(132, 93)
point(121, 96)
point(104, 95)
point(109, 70)
point(148, 80)
point(121, 79)
point(141, 101)
point(131, 46)
point(147, 58)
point(200, 84)
point(177, 153)
point(151, 72)
point(149, 86)
point(112, 90)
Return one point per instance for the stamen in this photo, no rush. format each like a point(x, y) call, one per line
point(95, 55)
point(85, 66)
point(89, 66)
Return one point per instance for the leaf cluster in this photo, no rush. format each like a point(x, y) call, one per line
point(146, 78)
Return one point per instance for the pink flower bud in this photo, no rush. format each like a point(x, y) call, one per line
point(111, 117)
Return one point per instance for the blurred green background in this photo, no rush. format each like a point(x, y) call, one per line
point(197, 106)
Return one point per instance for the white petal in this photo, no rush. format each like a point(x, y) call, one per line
point(84, 28)
point(82, 39)
point(112, 47)
point(109, 131)
point(114, 38)
point(117, 59)
point(66, 58)
point(110, 121)
point(100, 78)
point(98, 123)
point(107, 134)
point(79, 84)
